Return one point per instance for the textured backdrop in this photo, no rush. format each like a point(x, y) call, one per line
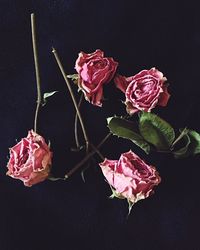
point(76, 215)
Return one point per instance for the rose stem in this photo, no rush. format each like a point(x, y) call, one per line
point(76, 131)
point(72, 96)
point(90, 154)
point(76, 123)
point(37, 72)
point(97, 151)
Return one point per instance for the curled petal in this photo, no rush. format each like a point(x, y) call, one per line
point(121, 83)
point(144, 91)
point(94, 72)
point(130, 176)
point(30, 160)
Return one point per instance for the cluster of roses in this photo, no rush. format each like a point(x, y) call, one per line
point(143, 91)
point(129, 177)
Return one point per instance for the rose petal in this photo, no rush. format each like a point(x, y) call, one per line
point(130, 176)
point(94, 71)
point(30, 159)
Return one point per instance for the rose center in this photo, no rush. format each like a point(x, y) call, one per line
point(100, 64)
point(23, 157)
point(141, 169)
point(143, 88)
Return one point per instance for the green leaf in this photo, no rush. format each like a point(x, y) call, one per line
point(52, 178)
point(156, 131)
point(195, 142)
point(191, 147)
point(73, 149)
point(130, 206)
point(182, 152)
point(127, 130)
point(47, 95)
point(115, 194)
point(73, 77)
point(183, 132)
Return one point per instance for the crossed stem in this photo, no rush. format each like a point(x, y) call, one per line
point(78, 114)
point(72, 96)
point(89, 155)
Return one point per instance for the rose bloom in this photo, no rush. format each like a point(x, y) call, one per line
point(30, 160)
point(130, 177)
point(144, 91)
point(94, 71)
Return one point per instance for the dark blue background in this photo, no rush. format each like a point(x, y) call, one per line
point(73, 214)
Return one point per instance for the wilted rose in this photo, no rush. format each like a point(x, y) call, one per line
point(130, 177)
point(144, 91)
point(94, 71)
point(30, 160)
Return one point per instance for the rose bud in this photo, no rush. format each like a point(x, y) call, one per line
point(144, 91)
point(130, 177)
point(94, 71)
point(30, 160)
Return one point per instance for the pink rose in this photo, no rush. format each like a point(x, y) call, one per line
point(130, 177)
point(94, 71)
point(143, 91)
point(30, 160)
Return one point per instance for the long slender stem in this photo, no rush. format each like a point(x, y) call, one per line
point(72, 96)
point(76, 123)
point(89, 155)
point(37, 71)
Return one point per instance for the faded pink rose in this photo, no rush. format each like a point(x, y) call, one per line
point(94, 71)
point(144, 91)
point(30, 160)
point(130, 177)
